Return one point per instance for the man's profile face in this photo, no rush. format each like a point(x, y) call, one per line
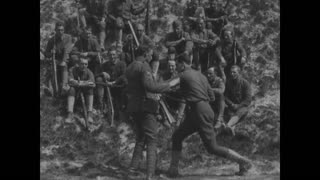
point(59, 30)
point(178, 29)
point(211, 74)
point(113, 56)
point(83, 64)
point(234, 73)
point(172, 66)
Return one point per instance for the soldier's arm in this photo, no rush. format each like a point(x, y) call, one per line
point(220, 89)
point(189, 43)
point(241, 50)
point(67, 48)
point(212, 36)
point(209, 90)
point(246, 94)
point(218, 53)
point(151, 85)
point(91, 76)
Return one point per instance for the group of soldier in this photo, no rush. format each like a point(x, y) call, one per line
point(200, 78)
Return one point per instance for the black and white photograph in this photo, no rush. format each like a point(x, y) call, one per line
point(159, 89)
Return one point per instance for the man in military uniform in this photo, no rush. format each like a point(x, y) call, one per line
point(179, 39)
point(204, 42)
point(111, 72)
point(143, 108)
point(87, 46)
point(199, 118)
point(170, 57)
point(61, 44)
point(218, 88)
point(216, 15)
point(230, 51)
point(80, 79)
point(93, 13)
point(237, 98)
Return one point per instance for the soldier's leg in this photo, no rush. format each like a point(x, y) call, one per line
point(196, 58)
point(181, 108)
point(184, 130)
point(236, 117)
point(205, 116)
point(89, 100)
point(140, 140)
point(150, 128)
point(71, 100)
point(100, 93)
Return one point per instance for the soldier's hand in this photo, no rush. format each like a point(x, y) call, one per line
point(73, 82)
point(243, 60)
point(174, 82)
point(223, 62)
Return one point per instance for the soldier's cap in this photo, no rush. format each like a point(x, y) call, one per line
point(172, 50)
point(176, 23)
point(184, 58)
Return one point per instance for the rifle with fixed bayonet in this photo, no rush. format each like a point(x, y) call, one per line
point(54, 69)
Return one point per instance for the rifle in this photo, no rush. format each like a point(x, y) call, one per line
point(234, 52)
point(133, 33)
point(84, 106)
point(109, 100)
point(167, 113)
point(54, 69)
point(147, 19)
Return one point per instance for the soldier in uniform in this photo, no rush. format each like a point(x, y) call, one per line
point(179, 39)
point(80, 79)
point(93, 13)
point(61, 43)
point(87, 46)
point(230, 51)
point(199, 118)
point(190, 12)
point(237, 98)
point(218, 87)
point(112, 72)
point(204, 42)
point(216, 15)
point(170, 57)
point(143, 108)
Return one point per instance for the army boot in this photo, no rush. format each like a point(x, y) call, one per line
point(244, 164)
point(136, 157)
point(173, 170)
point(69, 118)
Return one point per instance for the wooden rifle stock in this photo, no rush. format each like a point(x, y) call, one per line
point(84, 107)
point(168, 115)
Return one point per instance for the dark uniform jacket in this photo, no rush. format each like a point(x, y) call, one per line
point(90, 45)
point(195, 86)
point(75, 73)
point(140, 80)
point(125, 9)
point(63, 47)
point(226, 50)
point(96, 8)
point(182, 46)
point(238, 92)
point(217, 13)
point(116, 70)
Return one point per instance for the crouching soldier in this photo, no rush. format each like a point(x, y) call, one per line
point(237, 98)
point(80, 79)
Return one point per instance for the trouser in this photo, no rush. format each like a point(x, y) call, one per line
point(201, 59)
point(87, 92)
point(62, 77)
point(199, 118)
point(146, 134)
point(232, 117)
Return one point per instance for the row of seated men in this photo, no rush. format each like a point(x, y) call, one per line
point(86, 62)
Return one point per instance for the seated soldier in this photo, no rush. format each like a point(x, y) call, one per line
point(87, 46)
point(80, 79)
point(111, 73)
point(237, 98)
point(218, 87)
point(171, 57)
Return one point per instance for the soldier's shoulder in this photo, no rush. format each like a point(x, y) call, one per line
point(244, 81)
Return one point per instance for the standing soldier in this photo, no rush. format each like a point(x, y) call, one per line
point(61, 45)
point(237, 97)
point(113, 73)
point(80, 79)
point(230, 52)
point(179, 39)
point(143, 109)
point(204, 42)
point(216, 15)
point(199, 118)
point(217, 86)
point(87, 46)
point(94, 13)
